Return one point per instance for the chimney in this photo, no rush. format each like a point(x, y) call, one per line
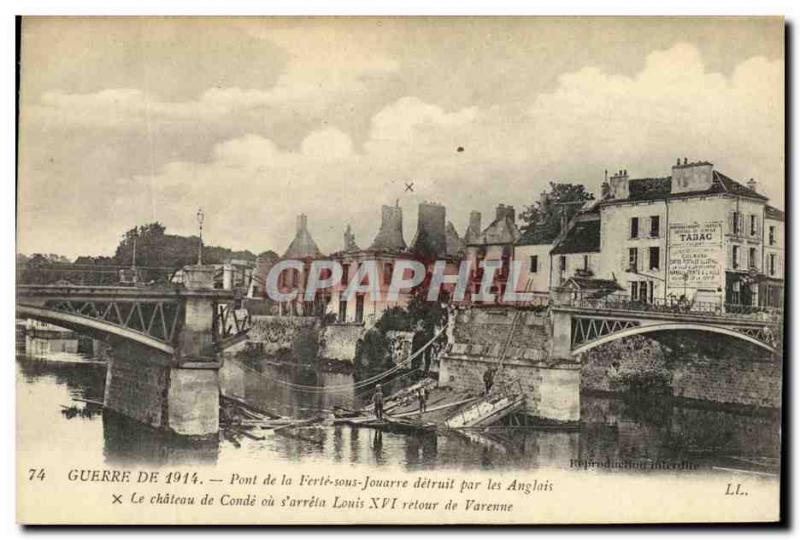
point(544, 199)
point(618, 185)
point(302, 223)
point(475, 221)
point(350, 240)
point(605, 191)
point(753, 185)
point(688, 177)
point(504, 211)
point(430, 240)
point(390, 235)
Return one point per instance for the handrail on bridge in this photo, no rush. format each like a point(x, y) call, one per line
point(622, 301)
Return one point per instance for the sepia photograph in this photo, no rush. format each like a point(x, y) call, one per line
point(400, 270)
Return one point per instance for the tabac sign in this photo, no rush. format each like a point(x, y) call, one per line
point(695, 254)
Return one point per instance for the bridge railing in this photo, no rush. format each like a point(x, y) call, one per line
point(624, 302)
point(536, 299)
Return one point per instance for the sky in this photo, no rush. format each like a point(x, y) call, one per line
point(129, 121)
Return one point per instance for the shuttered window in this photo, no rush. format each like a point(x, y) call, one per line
point(655, 255)
point(655, 227)
point(736, 223)
point(635, 227)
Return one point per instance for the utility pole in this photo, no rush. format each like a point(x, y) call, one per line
point(563, 207)
point(200, 218)
point(133, 260)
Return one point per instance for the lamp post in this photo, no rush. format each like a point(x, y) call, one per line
point(200, 218)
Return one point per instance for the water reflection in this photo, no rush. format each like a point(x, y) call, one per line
point(613, 428)
point(127, 442)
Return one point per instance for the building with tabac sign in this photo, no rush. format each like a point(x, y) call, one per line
point(696, 236)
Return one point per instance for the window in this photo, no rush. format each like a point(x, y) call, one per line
point(735, 257)
point(772, 264)
point(342, 311)
point(359, 308)
point(642, 291)
point(634, 227)
point(534, 266)
point(562, 263)
point(585, 262)
point(646, 291)
point(753, 226)
point(633, 260)
point(655, 226)
point(752, 258)
point(735, 222)
point(387, 273)
point(772, 235)
point(654, 257)
point(736, 289)
point(345, 268)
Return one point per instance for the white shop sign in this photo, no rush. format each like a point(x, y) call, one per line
point(695, 255)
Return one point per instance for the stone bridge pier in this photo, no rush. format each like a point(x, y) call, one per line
point(166, 344)
point(177, 392)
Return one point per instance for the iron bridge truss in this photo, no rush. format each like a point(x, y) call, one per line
point(157, 318)
point(588, 329)
point(585, 330)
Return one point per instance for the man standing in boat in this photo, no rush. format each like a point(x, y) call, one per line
point(422, 396)
point(488, 379)
point(377, 400)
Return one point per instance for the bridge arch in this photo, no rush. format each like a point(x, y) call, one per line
point(664, 326)
point(91, 326)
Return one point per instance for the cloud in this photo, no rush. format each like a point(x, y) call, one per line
point(253, 184)
point(408, 117)
point(323, 68)
point(672, 107)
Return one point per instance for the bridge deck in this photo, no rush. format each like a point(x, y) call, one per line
point(103, 291)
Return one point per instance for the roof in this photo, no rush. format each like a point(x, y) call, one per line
point(302, 247)
point(583, 237)
point(547, 233)
point(500, 231)
point(455, 245)
point(770, 212)
point(542, 233)
point(661, 188)
point(472, 235)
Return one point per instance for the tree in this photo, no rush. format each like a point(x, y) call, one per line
point(156, 249)
point(544, 217)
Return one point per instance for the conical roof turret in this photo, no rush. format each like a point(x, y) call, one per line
point(303, 246)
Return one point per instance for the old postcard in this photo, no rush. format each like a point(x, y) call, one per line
point(400, 270)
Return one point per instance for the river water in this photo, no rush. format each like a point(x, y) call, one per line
point(50, 388)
